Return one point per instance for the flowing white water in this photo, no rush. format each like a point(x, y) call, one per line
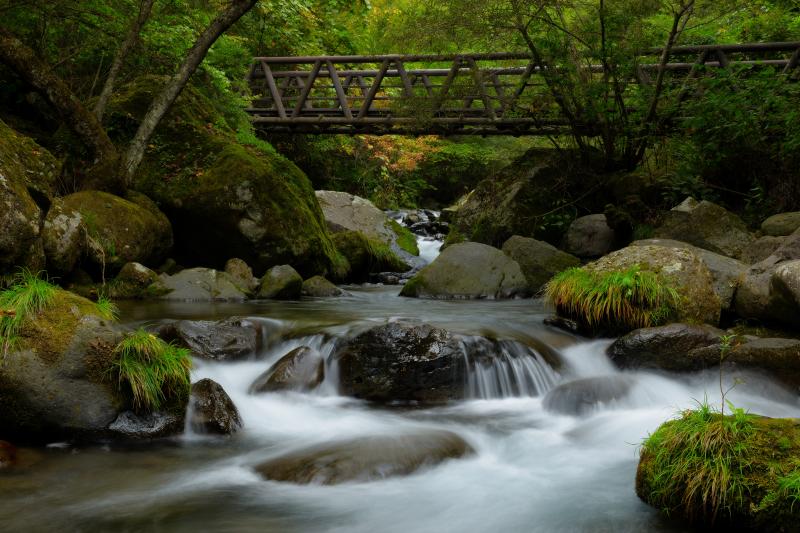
point(533, 469)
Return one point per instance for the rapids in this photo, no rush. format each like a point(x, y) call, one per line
point(533, 470)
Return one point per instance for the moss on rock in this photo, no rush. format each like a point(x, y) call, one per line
point(367, 255)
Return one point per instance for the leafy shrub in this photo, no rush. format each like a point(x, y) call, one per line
point(612, 302)
point(154, 370)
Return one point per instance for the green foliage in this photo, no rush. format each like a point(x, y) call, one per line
point(699, 463)
point(366, 255)
point(107, 309)
point(612, 302)
point(405, 239)
point(154, 370)
point(26, 297)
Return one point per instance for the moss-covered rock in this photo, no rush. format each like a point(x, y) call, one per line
point(538, 260)
point(27, 182)
point(781, 224)
point(57, 382)
point(281, 282)
point(198, 285)
point(106, 230)
point(224, 198)
point(367, 255)
point(739, 473)
point(319, 287)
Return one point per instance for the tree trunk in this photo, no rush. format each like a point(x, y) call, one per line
point(162, 103)
point(145, 8)
point(40, 76)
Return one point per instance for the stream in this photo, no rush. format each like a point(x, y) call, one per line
point(534, 468)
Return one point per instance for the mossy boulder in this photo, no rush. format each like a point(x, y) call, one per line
point(589, 237)
point(57, 381)
point(281, 282)
point(319, 287)
point(538, 260)
point(682, 464)
point(781, 224)
point(706, 225)
point(681, 269)
point(242, 274)
point(367, 255)
point(27, 183)
point(469, 270)
point(225, 198)
point(106, 230)
point(198, 285)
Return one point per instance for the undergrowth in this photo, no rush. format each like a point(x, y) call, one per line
point(612, 302)
point(155, 371)
point(405, 238)
point(26, 296)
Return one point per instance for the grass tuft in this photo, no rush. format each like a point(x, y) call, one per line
point(405, 238)
point(107, 309)
point(26, 296)
point(154, 370)
point(612, 302)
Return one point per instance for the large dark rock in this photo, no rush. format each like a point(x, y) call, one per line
point(664, 347)
point(706, 225)
point(538, 260)
point(198, 285)
point(770, 290)
point(589, 237)
point(405, 363)
point(469, 270)
point(281, 282)
point(366, 458)
point(55, 383)
point(319, 287)
point(584, 395)
point(130, 425)
point(230, 339)
point(301, 369)
point(211, 410)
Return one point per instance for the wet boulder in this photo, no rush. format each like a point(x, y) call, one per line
point(242, 275)
point(366, 459)
point(538, 260)
point(136, 426)
point(781, 224)
point(706, 225)
point(367, 255)
point(211, 410)
point(469, 270)
point(589, 237)
point(55, 382)
point(302, 369)
point(231, 339)
point(585, 395)
point(198, 285)
point(770, 292)
point(132, 282)
point(319, 287)
point(281, 283)
point(402, 363)
point(664, 347)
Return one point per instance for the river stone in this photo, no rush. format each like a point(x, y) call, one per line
point(663, 347)
point(147, 426)
point(137, 275)
point(589, 237)
point(199, 285)
point(366, 458)
point(781, 224)
point(242, 274)
point(401, 362)
point(469, 270)
point(281, 283)
point(584, 395)
point(302, 369)
point(211, 410)
point(538, 260)
point(726, 271)
point(761, 248)
point(681, 268)
point(56, 384)
point(319, 287)
point(347, 212)
point(706, 225)
point(231, 339)
point(769, 292)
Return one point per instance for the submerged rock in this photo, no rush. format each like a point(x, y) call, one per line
point(469, 270)
point(664, 347)
point(401, 362)
point(198, 285)
point(231, 339)
point(584, 395)
point(538, 260)
point(147, 426)
point(301, 369)
point(589, 237)
point(320, 287)
point(366, 459)
point(211, 410)
point(281, 283)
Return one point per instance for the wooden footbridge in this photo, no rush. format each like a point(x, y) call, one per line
point(484, 94)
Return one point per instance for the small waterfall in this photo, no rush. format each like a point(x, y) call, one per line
point(502, 369)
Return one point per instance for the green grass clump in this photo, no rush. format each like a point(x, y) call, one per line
point(698, 465)
point(612, 302)
point(107, 309)
point(405, 239)
point(154, 370)
point(27, 295)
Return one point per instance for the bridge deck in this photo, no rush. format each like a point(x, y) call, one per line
point(500, 93)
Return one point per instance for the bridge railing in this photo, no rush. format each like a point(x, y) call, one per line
point(499, 93)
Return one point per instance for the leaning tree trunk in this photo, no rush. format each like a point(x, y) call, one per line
point(40, 76)
point(145, 8)
point(162, 103)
